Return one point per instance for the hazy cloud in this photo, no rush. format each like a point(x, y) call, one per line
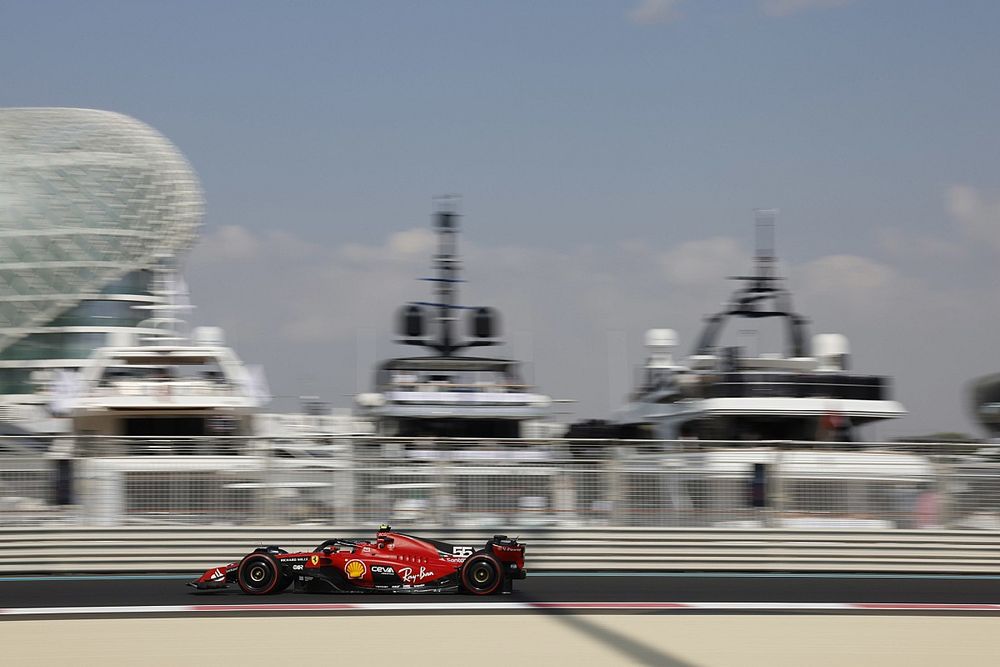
point(702, 262)
point(231, 242)
point(652, 12)
point(788, 7)
point(855, 281)
point(978, 218)
point(973, 224)
point(417, 241)
point(902, 245)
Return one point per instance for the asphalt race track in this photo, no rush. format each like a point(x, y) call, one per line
point(665, 619)
point(136, 590)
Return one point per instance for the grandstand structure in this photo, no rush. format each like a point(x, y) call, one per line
point(91, 203)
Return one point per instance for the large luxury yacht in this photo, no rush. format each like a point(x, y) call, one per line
point(805, 392)
point(446, 393)
point(169, 384)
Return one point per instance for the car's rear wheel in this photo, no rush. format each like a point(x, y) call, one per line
point(260, 574)
point(482, 574)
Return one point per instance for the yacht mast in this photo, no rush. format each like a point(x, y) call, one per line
point(166, 313)
point(765, 259)
point(447, 265)
point(761, 295)
point(446, 282)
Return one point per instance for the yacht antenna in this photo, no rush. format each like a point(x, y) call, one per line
point(448, 265)
point(764, 232)
point(165, 322)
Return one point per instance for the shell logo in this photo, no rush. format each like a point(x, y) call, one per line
point(355, 569)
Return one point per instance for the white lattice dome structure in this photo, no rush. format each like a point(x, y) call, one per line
point(90, 202)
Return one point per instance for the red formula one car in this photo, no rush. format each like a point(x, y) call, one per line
point(394, 562)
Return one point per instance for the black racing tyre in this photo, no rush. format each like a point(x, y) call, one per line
point(482, 574)
point(260, 574)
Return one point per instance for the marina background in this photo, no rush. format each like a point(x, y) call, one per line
point(607, 158)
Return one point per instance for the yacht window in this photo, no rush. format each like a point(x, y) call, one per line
point(201, 370)
point(404, 378)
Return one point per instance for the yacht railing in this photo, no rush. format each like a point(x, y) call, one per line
point(478, 387)
point(157, 387)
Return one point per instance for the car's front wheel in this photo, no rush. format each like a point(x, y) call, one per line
point(482, 574)
point(260, 574)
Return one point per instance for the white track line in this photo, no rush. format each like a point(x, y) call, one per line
point(500, 606)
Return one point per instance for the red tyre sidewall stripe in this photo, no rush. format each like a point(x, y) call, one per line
point(275, 579)
point(496, 566)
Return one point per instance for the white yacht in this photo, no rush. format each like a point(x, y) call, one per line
point(447, 393)
point(806, 392)
point(167, 385)
point(171, 388)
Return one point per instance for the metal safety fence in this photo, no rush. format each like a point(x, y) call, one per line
point(498, 484)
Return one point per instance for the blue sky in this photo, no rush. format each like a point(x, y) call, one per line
point(550, 118)
point(570, 128)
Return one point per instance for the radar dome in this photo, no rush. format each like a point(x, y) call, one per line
point(661, 338)
point(832, 351)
